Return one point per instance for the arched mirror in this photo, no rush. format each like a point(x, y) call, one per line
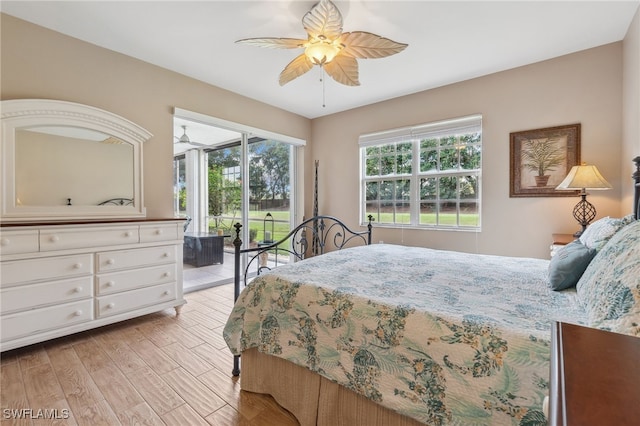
point(63, 160)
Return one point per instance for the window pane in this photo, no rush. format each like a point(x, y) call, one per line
point(373, 209)
point(404, 163)
point(449, 159)
point(386, 190)
point(371, 191)
point(428, 160)
point(468, 187)
point(428, 214)
point(403, 189)
point(373, 166)
point(179, 186)
point(469, 214)
point(448, 188)
point(403, 212)
point(387, 166)
point(373, 151)
point(448, 141)
point(428, 143)
point(428, 188)
point(387, 149)
point(448, 214)
point(470, 138)
point(386, 212)
point(470, 157)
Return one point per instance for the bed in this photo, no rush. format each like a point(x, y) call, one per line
point(392, 335)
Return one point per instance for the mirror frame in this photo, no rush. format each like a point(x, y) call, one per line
point(22, 113)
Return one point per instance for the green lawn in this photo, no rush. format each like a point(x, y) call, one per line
point(466, 219)
point(281, 222)
point(256, 222)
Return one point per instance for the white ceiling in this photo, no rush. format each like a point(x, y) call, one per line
point(449, 41)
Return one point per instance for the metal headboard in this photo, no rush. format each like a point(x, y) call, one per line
point(312, 237)
point(117, 202)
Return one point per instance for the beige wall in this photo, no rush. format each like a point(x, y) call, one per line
point(39, 63)
point(630, 104)
point(584, 87)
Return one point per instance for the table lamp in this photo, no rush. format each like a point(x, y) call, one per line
point(584, 177)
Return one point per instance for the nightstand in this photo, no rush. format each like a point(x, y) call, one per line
point(594, 377)
point(558, 241)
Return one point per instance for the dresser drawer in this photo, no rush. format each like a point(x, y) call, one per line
point(134, 258)
point(47, 268)
point(158, 232)
point(134, 299)
point(48, 293)
point(14, 242)
point(43, 319)
point(63, 239)
point(128, 280)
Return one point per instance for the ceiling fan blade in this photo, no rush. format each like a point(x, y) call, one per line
point(190, 143)
point(361, 44)
point(323, 19)
point(274, 43)
point(295, 69)
point(344, 70)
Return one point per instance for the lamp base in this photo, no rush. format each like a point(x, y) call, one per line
point(584, 212)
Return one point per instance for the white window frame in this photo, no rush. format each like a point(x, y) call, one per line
point(414, 135)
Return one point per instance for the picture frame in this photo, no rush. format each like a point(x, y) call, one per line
point(541, 159)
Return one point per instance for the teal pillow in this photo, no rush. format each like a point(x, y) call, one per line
point(568, 264)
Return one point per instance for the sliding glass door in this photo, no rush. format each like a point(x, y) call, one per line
point(223, 177)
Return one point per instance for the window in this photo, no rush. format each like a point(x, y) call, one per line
point(425, 176)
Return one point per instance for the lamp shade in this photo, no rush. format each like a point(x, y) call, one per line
point(584, 177)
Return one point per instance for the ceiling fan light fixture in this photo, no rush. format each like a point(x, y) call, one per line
point(322, 52)
point(184, 138)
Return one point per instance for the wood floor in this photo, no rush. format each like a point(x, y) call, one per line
point(155, 370)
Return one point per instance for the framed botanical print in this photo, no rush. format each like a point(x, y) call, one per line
point(541, 159)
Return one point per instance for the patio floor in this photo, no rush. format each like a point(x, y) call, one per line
point(207, 276)
point(195, 278)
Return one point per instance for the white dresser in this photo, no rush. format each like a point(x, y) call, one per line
point(58, 279)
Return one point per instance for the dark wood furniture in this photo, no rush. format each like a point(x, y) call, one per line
point(203, 248)
point(562, 239)
point(595, 377)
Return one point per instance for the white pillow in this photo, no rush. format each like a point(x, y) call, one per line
point(599, 232)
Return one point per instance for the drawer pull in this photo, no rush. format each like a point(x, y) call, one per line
point(166, 274)
point(128, 234)
point(77, 289)
point(111, 305)
point(77, 265)
point(77, 313)
point(5, 242)
point(109, 284)
point(166, 293)
point(165, 254)
point(158, 231)
point(54, 238)
point(110, 261)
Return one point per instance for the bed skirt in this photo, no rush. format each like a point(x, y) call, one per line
point(312, 399)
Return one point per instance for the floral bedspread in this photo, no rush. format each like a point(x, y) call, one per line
point(444, 337)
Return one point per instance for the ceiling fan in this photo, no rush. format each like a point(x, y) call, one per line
point(184, 139)
point(328, 47)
